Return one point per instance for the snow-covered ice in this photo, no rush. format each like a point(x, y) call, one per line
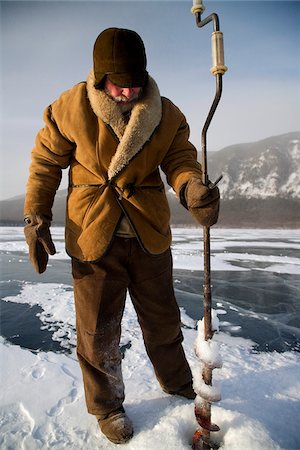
point(42, 400)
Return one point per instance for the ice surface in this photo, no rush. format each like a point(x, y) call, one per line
point(187, 254)
point(58, 308)
point(42, 399)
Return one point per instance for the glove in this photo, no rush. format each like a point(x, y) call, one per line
point(38, 238)
point(202, 201)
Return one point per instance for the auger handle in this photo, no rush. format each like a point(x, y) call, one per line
point(217, 47)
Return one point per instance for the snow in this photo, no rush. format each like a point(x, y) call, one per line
point(205, 391)
point(208, 353)
point(42, 401)
point(42, 398)
point(294, 149)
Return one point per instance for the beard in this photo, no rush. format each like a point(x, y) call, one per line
point(125, 104)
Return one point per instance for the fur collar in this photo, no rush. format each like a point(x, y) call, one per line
point(145, 117)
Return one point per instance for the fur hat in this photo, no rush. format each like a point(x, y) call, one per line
point(120, 54)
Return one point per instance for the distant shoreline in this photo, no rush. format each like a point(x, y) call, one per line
point(4, 224)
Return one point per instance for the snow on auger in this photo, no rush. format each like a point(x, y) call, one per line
point(207, 349)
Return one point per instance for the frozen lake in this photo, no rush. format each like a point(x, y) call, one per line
point(255, 279)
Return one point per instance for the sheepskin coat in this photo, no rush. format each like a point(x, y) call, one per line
point(113, 167)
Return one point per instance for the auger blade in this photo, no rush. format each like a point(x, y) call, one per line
point(205, 423)
point(201, 442)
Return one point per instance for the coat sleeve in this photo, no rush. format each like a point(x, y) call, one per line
point(51, 154)
point(180, 163)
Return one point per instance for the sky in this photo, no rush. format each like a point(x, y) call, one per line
point(46, 48)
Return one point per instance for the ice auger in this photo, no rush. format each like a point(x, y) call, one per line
point(206, 394)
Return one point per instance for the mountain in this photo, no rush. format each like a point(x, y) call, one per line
point(260, 187)
point(262, 170)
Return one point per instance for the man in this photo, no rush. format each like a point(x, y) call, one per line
point(114, 132)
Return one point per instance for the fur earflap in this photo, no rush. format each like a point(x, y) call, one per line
point(145, 117)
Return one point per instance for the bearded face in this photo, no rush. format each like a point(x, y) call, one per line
point(124, 96)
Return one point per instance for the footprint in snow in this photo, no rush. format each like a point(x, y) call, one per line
point(34, 372)
point(59, 407)
point(38, 372)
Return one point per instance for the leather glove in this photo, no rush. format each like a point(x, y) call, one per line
point(202, 201)
point(38, 238)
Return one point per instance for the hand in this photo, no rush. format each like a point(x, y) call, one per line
point(38, 238)
point(202, 201)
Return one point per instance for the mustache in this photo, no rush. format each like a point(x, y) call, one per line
point(122, 98)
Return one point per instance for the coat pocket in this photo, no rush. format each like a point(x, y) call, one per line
point(79, 205)
point(85, 220)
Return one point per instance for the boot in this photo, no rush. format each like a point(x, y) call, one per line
point(186, 391)
point(116, 426)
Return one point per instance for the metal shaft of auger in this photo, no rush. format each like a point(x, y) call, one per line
point(204, 413)
point(202, 439)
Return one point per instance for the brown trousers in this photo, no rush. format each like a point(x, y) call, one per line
point(100, 291)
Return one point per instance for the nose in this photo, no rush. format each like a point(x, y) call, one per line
point(127, 92)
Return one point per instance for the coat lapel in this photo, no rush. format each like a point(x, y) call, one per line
point(145, 117)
